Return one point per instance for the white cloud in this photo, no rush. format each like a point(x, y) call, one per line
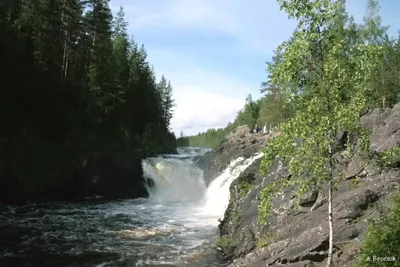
point(198, 110)
point(204, 99)
point(257, 27)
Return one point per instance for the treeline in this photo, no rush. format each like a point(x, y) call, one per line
point(210, 139)
point(274, 107)
point(75, 90)
point(267, 111)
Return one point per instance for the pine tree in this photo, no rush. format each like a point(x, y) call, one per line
point(85, 88)
point(168, 104)
point(98, 22)
point(121, 47)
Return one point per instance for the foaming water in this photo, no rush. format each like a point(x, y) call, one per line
point(192, 150)
point(175, 179)
point(217, 195)
point(175, 226)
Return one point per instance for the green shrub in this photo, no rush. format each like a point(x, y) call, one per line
point(391, 157)
point(382, 239)
point(262, 243)
point(236, 217)
point(245, 188)
point(224, 242)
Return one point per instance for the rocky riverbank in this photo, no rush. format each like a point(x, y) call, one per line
point(239, 143)
point(300, 237)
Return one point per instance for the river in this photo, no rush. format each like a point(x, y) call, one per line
point(176, 226)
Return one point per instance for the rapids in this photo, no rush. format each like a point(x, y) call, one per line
point(176, 226)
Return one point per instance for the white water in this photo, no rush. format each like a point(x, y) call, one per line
point(182, 181)
point(175, 179)
point(217, 194)
point(175, 226)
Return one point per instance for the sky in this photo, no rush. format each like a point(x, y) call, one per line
point(214, 51)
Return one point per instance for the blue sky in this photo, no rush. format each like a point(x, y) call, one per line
point(214, 51)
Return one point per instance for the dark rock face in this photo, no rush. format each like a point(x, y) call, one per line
point(241, 142)
point(114, 176)
point(300, 237)
point(85, 175)
point(240, 220)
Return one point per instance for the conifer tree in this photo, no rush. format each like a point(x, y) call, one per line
point(85, 88)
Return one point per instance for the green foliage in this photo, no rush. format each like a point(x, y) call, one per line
point(262, 243)
point(85, 89)
point(391, 157)
point(382, 239)
point(236, 218)
point(385, 81)
point(249, 114)
point(355, 182)
point(273, 108)
point(327, 88)
point(224, 242)
point(211, 138)
point(245, 188)
point(266, 239)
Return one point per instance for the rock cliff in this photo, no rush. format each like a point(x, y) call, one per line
point(299, 237)
point(239, 143)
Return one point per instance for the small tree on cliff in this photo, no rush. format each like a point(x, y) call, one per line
point(328, 83)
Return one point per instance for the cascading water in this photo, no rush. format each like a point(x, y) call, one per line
point(175, 179)
point(175, 226)
point(217, 195)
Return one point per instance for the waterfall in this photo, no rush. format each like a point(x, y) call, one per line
point(179, 179)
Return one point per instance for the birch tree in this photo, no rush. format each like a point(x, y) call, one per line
point(328, 85)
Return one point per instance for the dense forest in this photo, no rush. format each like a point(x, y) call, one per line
point(273, 108)
point(78, 100)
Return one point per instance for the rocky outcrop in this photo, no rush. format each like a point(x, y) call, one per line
point(299, 237)
point(240, 143)
point(384, 126)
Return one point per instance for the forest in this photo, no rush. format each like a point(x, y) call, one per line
point(76, 92)
point(273, 108)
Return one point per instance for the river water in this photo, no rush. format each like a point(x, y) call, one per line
point(176, 226)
